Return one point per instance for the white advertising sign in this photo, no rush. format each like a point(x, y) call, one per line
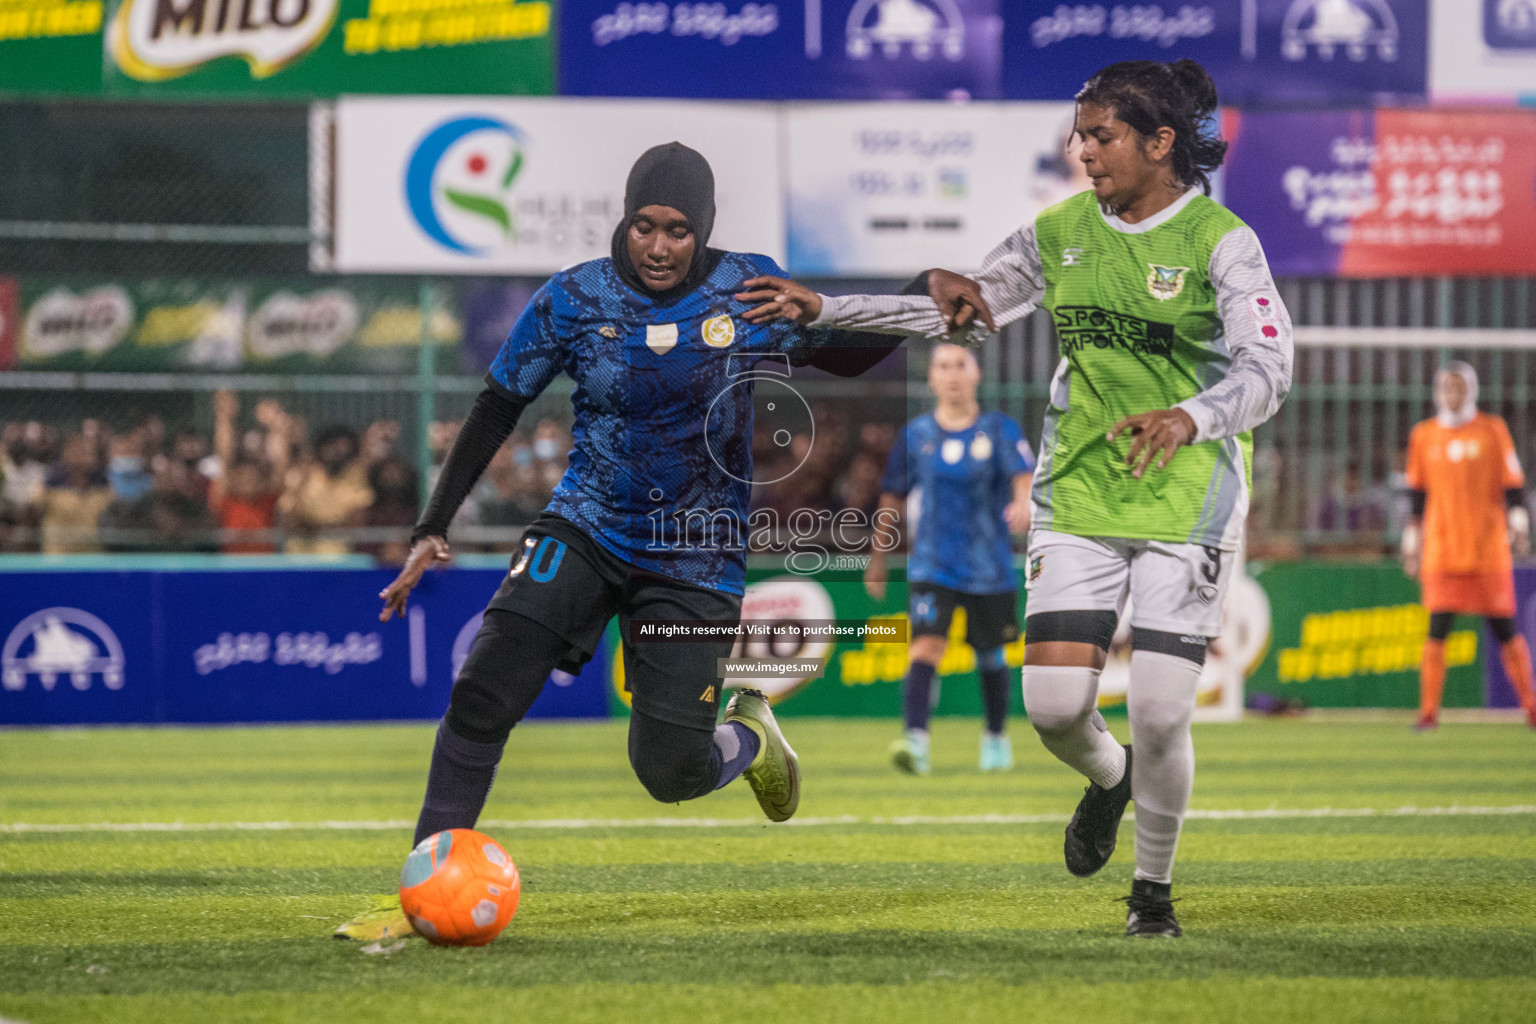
point(1482, 51)
point(528, 186)
point(890, 189)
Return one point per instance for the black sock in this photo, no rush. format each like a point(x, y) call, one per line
point(460, 779)
point(996, 686)
point(917, 695)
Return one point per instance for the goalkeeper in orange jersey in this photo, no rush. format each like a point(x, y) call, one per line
point(1468, 511)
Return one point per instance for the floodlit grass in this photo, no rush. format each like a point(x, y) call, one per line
point(1391, 917)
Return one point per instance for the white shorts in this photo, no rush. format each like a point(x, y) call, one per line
point(1174, 588)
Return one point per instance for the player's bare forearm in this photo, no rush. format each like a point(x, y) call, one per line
point(1018, 511)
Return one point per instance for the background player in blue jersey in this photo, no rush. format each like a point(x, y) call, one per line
point(973, 471)
point(648, 522)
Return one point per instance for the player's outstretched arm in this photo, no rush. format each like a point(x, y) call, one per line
point(956, 308)
point(425, 553)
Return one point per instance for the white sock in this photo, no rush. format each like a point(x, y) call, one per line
point(1162, 702)
point(1062, 702)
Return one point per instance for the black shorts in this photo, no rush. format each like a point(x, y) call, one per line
point(991, 620)
point(567, 582)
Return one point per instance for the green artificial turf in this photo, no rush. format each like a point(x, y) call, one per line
point(854, 916)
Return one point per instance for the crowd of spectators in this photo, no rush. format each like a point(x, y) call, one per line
point(265, 488)
point(266, 483)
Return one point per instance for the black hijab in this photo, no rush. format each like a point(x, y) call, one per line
point(676, 176)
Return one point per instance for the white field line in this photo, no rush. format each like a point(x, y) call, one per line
point(557, 824)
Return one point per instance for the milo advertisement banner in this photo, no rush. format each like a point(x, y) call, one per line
point(209, 326)
point(292, 48)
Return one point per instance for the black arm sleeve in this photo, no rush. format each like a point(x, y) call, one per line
point(850, 353)
point(1514, 497)
point(489, 423)
point(1417, 500)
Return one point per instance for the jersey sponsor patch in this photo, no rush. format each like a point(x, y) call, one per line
point(660, 338)
point(981, 447)
point(1265, 308)
point(1165, 282)
point(1084, 327)
point(952, 450)
point(719, 331)
point(1072, 256)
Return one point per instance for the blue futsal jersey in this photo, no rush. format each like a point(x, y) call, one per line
point(642, 479)
point(966, 477)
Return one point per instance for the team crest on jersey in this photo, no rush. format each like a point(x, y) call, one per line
point(981, 447)
point(719, 331)
point(1166, 282)
point(660, 338)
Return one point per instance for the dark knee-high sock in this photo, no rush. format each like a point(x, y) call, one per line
point(460, 779)
point(996, 687)
point(917, 695)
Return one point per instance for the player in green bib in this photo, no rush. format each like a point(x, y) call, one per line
point(1174, 346)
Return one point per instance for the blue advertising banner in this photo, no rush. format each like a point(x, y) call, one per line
point(1258, 51)
point(279, 645)
point(79, 648)
point(1500, 694)
point(818, 49)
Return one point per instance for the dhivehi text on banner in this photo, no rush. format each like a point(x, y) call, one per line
point(815, 49)
point(294, 48)
point(140, 645)
point(1265, 51)
point(1389, 193)
point(891, 189)
point(507, 186)
point(1482, 51)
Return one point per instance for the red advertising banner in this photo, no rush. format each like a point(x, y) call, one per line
point(1455, 193)
point(1387, 193)
point(10, 317)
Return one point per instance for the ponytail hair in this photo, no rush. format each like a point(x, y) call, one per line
point(1149, 94)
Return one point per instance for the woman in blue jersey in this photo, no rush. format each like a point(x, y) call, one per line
point(656, 345)
point(972, 470)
